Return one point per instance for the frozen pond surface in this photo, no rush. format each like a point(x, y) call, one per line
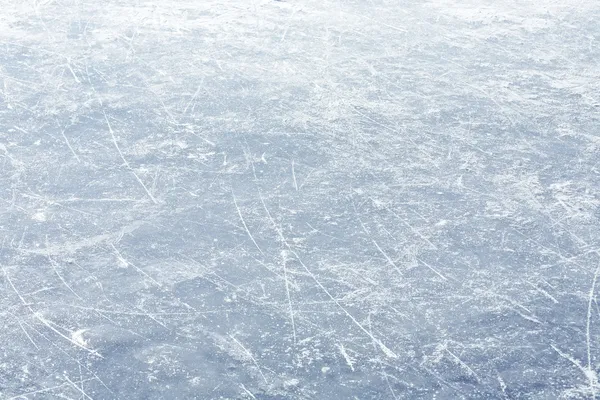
point(299, 199)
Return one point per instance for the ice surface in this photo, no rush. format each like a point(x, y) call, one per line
point(299, 199)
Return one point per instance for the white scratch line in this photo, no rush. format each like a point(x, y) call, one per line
point(251, 357)
point(48, 389)
point(462, 364)
point(416, 232)
point(294, 176)
point(247, 391)
point(544, 292)
point(53, 264)
point(244, 223)
point(389, 260)
point(285, 276)
point(289, 298)
point(73, 72)
point(48, 324)
point(590, 374)
point(79, 389)
point(432, 269)
point(389, 353)
point(194, 96)
point(27, 334)
point(587, 334)
point(114, 140)
point(62, 132)
point(506, 114)
point(28, 305)
point(346, 356)
point(141, 271)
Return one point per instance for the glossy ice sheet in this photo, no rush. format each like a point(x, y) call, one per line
point(299, 199)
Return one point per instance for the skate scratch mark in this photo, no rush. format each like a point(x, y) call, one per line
point(27, 334)
point(24, 330)
point(544, 292)
point(127, 263)
point(114, 140)
point(62, 132)
point(249, 393)
point(416, 232)
point(194, 96)
point(462, 364)
point(294, 176)
point(49, 324)
point(389, 260)
point(45, 321)
point(251, 357)
point(287, 292)
point(389, 353)
point(432, 269)
point(590, 372)
point(48, 389)
point(285, 274)
point(244, 223)
point(79, 389)
point(346, 356)
point(53, 264)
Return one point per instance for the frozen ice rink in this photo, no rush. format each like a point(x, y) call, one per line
point(309, 199)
